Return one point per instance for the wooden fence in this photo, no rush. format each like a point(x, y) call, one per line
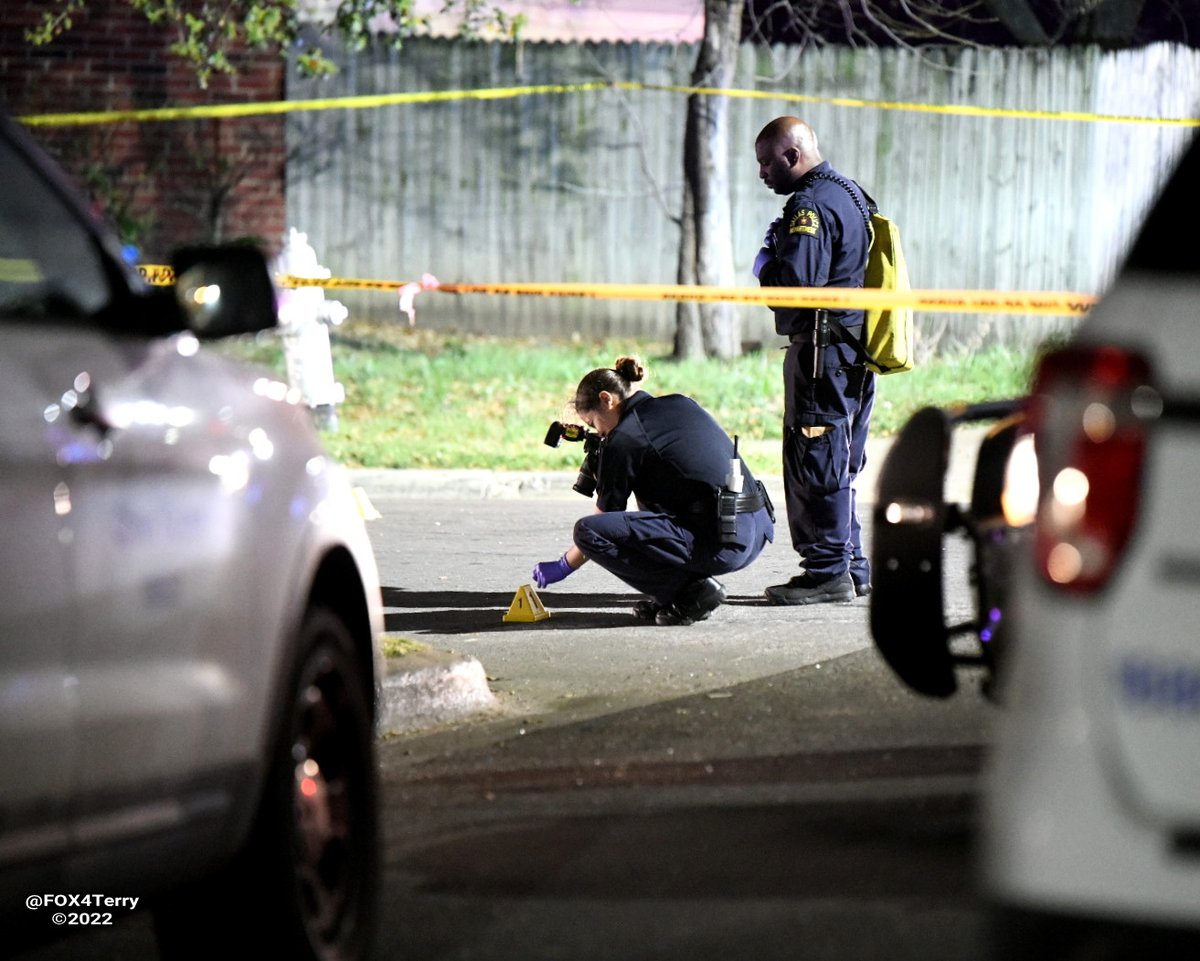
point(585, 185)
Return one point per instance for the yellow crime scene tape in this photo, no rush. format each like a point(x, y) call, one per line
point(963, 110)
point(956, 301)
point(945, 301)
point(359, 102)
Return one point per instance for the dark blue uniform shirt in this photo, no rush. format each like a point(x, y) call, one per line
point(669, 453)
point(821, 240)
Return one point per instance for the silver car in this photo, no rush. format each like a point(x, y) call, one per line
point(1084, 528)
point(189, 605)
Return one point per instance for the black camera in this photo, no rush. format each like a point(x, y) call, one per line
point(585, 482)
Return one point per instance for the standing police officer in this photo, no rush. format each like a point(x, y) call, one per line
point(820, 240)
point(675, 460)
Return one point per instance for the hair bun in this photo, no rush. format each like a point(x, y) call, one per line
point(630, 368)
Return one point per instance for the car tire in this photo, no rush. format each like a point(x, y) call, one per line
point(305, 886)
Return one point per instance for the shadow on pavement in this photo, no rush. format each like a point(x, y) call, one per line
point(479, 612)
point(398, 597)
point(746, 851)
point(476, 612)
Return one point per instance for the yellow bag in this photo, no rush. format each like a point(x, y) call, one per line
point(887, 331)
point(887, 343)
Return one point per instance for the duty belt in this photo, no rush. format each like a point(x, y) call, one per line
point(747, 503)
point(750, 501)
point(808, 338)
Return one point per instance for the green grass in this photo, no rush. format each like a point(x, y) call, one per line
point(419, 399)
point(396, 646)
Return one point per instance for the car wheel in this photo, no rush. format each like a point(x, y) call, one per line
point(306, 883)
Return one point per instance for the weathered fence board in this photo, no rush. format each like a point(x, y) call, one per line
point(584, 186)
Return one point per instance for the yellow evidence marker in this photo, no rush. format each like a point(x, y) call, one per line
point(526, 606)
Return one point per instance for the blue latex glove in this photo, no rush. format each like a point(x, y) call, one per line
point(767, 252)
point(764, 257)
point(551, 572)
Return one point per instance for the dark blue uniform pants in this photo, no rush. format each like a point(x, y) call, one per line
point(824, 448)
point(655, 554)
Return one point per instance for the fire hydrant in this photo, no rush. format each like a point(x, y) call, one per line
point(305, 317)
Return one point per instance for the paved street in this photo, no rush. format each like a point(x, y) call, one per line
point(451, 569)
point(821, 814)
point(756, 785)
point(454, 547)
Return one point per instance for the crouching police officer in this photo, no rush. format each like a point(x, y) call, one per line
point(693, 519)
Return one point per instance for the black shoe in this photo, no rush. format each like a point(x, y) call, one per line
point(646, 610)
point(695, 602)
point(862, 588)
point(807, 589)
point(671, 616)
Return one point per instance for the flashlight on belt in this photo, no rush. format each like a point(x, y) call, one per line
point(820, 341)
point(727, 498)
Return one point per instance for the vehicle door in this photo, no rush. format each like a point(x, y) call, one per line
point(37, 611)
point(38, 607)
point(138, 525)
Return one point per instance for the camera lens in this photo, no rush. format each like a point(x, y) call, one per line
point(585, 480)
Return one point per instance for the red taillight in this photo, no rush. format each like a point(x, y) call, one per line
point(1090, 412)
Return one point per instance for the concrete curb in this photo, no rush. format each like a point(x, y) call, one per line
point(427, 688)
point(464, 484)
point(483, 484)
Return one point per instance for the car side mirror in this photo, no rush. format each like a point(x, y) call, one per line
point(224, 291)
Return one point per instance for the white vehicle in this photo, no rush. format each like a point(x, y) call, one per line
point(189, 605)
point(1093, 809)
point(1091, 812)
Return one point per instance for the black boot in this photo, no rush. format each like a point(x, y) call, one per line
point(695, 602)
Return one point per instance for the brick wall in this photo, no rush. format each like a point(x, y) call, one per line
point(161, 183)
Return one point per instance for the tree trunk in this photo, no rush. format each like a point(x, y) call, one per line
point(706, 245)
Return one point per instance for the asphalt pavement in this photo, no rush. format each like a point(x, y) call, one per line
point(435, 686)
